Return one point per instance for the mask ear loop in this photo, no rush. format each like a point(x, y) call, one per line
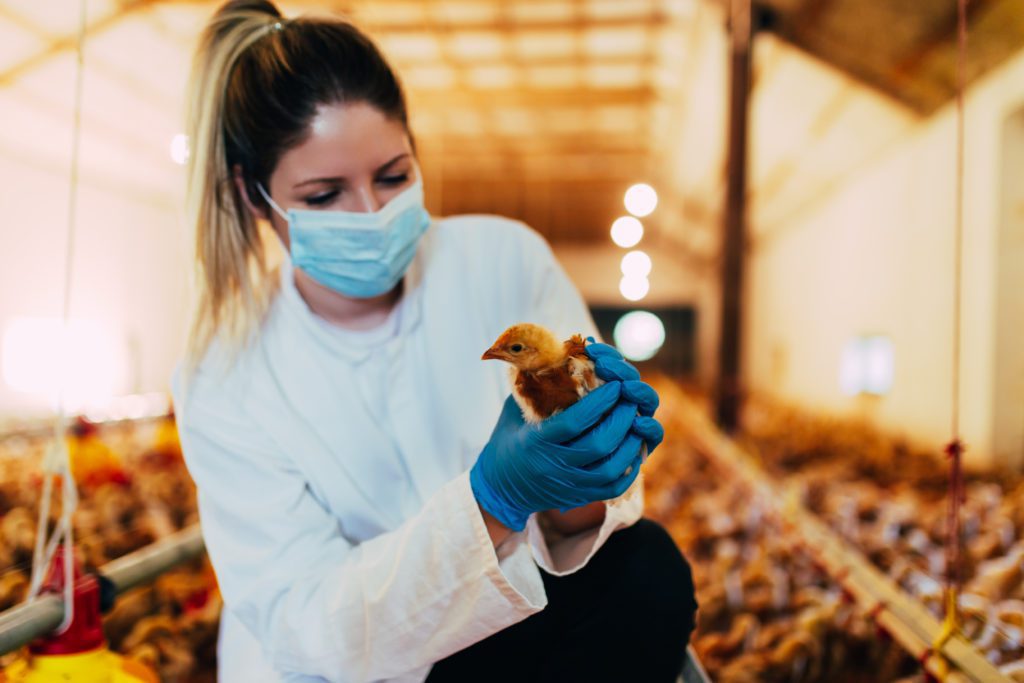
point(273, 204)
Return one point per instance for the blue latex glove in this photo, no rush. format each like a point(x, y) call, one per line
point(576, 457)
point(611, 366)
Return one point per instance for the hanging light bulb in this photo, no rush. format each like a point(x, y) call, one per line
point(179, 148)
point(634, 288)
point(627, 231)
point(636, 264)
point(639, 335)
point(641, 200)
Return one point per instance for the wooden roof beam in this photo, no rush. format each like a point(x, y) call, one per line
point(487, 99)
point(512, 26)
point(68, 43)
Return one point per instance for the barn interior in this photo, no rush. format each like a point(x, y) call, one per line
point(831, 280)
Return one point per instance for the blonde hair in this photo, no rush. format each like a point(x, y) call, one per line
point(257, 80)
point(234, 286)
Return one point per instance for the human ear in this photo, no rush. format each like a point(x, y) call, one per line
point(239, 179)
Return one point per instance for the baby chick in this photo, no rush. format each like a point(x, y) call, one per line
point(547, 375)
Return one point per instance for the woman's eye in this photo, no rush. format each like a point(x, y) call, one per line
point(516, 348)
point(392, 180)
point(321, 199)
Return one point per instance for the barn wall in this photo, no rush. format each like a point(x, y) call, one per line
point(130, 277)
point(875, 256)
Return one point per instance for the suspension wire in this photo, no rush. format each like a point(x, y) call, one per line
point(57, 460)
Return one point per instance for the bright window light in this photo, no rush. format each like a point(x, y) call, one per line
point(851, 368)
point(641, 200)
point(878, 368)
point(636, 264)
point(634, 288)
point(42, 357)
point(627, 231)
point(639, 335)
point(179, 148)
point(867, 366)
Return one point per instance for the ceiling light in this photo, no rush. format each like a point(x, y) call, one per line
point(627, 231)
point(636, 264)
point(634, 288)
point(179, 148)
point(641, 200)
point(639, 335)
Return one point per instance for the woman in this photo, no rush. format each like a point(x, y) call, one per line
point(367, 488)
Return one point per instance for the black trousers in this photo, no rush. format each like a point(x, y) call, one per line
point(625, 617)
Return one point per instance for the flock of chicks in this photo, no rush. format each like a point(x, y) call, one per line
point(766, 611)
point(896, 516)
point(133, 490)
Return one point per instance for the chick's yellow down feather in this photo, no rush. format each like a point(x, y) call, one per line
point(547, 375)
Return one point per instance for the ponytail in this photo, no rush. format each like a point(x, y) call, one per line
point(234, 285)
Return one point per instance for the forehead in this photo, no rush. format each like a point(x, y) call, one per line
point(344, 140)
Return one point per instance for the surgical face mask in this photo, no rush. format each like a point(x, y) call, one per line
point(360, 255)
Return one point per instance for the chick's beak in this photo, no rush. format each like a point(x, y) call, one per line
point(492, 354)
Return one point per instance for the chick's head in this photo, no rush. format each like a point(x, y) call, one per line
point(527, 347)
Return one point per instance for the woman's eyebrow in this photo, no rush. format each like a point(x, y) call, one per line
point(392, 162)
point(338, 179)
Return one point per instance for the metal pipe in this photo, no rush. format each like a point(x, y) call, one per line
point(24, 623)
point(145, 564)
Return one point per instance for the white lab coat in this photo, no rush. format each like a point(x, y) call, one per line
point(333, 475)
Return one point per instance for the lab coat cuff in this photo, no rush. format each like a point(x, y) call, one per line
point(571, 553)
point(510, 567)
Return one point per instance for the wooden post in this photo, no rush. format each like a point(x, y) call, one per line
point(728, 392)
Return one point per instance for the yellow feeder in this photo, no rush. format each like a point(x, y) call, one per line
point(79, 653)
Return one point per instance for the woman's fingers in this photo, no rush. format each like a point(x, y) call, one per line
point(605, 437)
point(643, 395)
point(650, 430)
point(616, 465)
point(626, 476)
point(610, 369)
point(609, 363)
point(580, 416)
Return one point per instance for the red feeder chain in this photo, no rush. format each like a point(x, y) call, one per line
point(955, 448)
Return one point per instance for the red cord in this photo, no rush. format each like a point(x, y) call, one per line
point(955, 448)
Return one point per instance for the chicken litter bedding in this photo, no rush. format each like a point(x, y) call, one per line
point(767, 613)
point(889, 499)
point(134, 490)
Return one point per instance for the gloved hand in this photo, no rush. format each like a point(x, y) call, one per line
point(526, 468)
point(611, 366)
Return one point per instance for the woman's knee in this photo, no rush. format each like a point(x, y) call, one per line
point(660, 582)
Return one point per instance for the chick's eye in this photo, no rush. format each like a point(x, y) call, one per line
point(516, 348)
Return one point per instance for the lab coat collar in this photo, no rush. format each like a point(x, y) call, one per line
point(304, 384)
point(411, 303)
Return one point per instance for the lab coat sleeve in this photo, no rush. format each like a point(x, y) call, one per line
point(558, 305)
point(320, 605)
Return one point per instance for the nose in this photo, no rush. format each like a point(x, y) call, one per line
point(365, 201)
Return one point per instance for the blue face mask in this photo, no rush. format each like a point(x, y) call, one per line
point(359, 255)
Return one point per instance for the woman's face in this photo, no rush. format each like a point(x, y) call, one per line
point(354, 159)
